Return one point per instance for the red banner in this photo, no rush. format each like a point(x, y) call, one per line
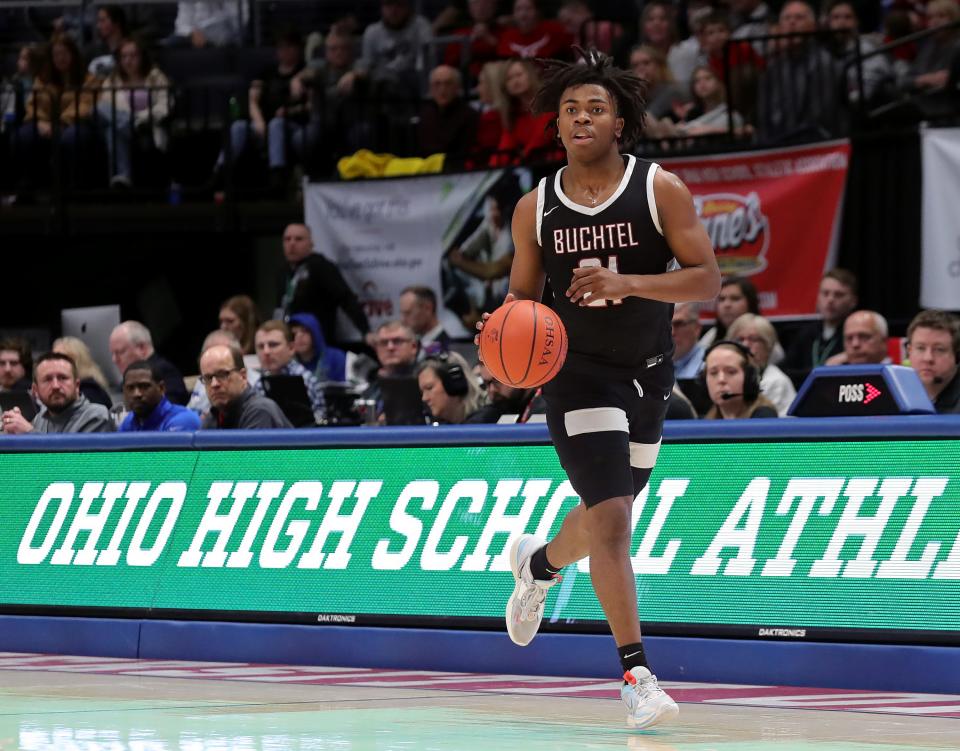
point(772, 216)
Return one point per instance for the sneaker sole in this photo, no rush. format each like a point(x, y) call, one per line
point(516, 578)
point(667, 713)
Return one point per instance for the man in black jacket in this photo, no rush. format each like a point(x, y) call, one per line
point(816, 342)
point(233, 404)
point(314, 284)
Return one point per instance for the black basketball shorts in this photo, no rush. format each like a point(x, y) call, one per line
point(607, 432)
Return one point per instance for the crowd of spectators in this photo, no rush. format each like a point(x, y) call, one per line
point(291, 371)
point(458, 79)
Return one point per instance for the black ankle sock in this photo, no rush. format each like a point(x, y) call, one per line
point(540, 567)
point(631, 656)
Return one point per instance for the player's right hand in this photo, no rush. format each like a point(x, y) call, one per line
point(483, 319)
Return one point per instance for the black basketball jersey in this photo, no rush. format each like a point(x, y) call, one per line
point(623, 234)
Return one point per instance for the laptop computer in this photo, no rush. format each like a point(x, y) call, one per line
point(402, 404)
point(21, 399)
point(696, 392)
point(93, 327)
point(290, 394)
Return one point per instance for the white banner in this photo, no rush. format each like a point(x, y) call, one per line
point(388, 234)
point(940, 279)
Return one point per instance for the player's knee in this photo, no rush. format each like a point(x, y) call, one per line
point(610, 523)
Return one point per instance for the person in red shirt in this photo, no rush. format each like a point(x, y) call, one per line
point(525, 136)
point(484, 37)
point(533, 36)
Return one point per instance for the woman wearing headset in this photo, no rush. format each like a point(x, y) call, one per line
point(451, 395)
point(733, 384)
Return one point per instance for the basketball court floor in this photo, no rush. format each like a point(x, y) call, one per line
point(74, 703)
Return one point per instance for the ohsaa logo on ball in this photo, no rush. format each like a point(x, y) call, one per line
point(738, 230)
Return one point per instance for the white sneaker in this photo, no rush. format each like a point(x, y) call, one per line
point(647, 703)
point(525, 606)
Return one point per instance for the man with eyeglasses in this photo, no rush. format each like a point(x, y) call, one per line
point(396, 347)
point(933, 343)
point(233, 403)
point(687, 351)
point(57, 386)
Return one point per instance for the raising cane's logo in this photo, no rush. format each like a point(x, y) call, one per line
point(738, 230)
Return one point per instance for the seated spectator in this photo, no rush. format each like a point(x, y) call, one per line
point(877, 72)
point(737, 296)
point(931, 68)
point(65, 410)
point(392, 51)
point(482, 263)
point(865, 335)
point(933, 343)
point(198, 401)
point(418, 311)
point(396, 347)
point(578, 20)
point(62, 100)
point(733, 384)
point(233, 403)
point(274, 344)
point(665, 99)
point(814, 344)
point(657, 28)
point(448, 125)
point(757, 334)
point(276, 114)
point(314, 284)
point(238, 315)
point(534, 36)
point(448, 389)
point(503, 400)
point(709, 113)
point(16, 361)
point(799, 90)
point(687, 351)
point(330, 123)
point(492, 100)
point(482, 35)
point(131, 341)
point(149, 409)
point(739, 61)
point(111, 29)
point(213, 23)
point(93, 383)
point(16, 89)
point(134, 102)
point(326, 363)
point(525, 135)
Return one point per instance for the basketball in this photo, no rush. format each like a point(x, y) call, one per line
point(523, 344)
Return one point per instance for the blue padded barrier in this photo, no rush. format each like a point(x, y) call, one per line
point(855, 666)
point(99, 637)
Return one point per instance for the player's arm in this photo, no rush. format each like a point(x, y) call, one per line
point(526, 274)
point(698, 277)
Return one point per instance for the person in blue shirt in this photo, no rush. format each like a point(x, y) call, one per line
point(144, 394)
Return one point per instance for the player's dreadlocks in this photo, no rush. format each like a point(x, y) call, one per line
point(627, 90)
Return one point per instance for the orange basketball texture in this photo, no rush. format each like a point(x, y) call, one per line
point(523, 344)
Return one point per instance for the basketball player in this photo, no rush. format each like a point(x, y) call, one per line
point(620, 241)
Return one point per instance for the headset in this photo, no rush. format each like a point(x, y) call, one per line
point(451, 374)
point(751, 378)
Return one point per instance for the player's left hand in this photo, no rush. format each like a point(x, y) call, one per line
point(592, 283)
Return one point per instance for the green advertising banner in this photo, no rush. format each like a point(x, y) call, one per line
point(779, 536)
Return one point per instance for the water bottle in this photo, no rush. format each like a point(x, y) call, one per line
point(234, 109)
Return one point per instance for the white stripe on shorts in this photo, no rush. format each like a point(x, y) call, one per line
point(595, 420)
point(644, 455)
